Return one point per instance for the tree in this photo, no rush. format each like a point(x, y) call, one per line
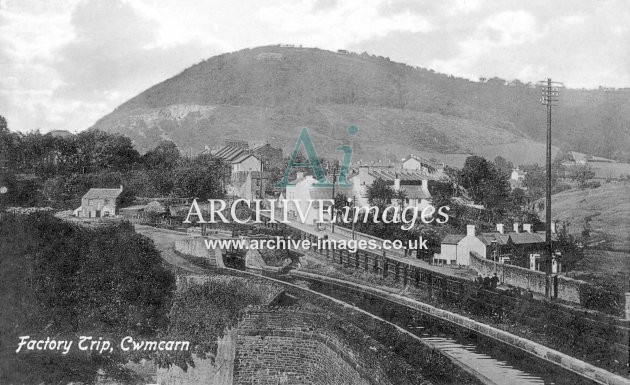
point(4, 127)
point(98, 150)
point(341, 203)
point(63, 280)
point(503, 165)
point(564, 154)
point(581, 174)
point(485, 183)
point(518, 198)
point(154, 211)
point(163, 157)
point(570, 248)
point(380, 193)
point(199, 182)
point(536, 180)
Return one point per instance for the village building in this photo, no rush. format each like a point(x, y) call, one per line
point(233, 149)
point(300, 191)
point(133, 213)
point(526, 246)
point(246, 162)
point(414, 183)
point(249, 184)
point(99, 202)
point(248, 178)
point(416, 163)
point(517, 177)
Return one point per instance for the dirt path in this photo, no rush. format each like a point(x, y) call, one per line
point(165, 242)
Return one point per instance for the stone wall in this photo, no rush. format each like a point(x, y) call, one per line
point(589, 371)
point(268, 290)
point(205, 371)
point(509, 274)
point(196, 247)
point(278, 345)
point(567, 289)
point(357, 235)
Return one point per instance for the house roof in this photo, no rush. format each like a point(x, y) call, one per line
point(526, 238)
point(134, 208)
point(243, 157)
point(261, 146)
point(452, 239)
point(543, 236)
point(487, 238)
point(415, 192)
point(103, 193)
point(423, 161)
point(229, 153)
point(403, 175)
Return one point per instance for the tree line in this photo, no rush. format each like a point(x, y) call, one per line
point(45, 170)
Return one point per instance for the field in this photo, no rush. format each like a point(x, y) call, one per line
point(610, 170)
point(607, 207)
point(604, 266)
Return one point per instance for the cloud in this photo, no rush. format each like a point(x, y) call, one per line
point(66, 63)
point(339, 24)
point(499, 31)
point(115, 52)
point(93, 56)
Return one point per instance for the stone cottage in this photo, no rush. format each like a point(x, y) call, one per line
point(99, 202)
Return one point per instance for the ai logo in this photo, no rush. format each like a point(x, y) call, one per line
point(314, 163)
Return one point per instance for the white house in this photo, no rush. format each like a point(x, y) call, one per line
point(246, 162)
point(455, 249)
point(414, 183)
point(517, 177)
point(413, 162)
point(415, 195)
point(298, 197)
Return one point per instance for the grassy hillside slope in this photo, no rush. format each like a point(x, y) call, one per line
point(608, 208)
point(269, 93)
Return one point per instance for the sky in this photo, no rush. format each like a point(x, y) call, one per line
point(66, 63)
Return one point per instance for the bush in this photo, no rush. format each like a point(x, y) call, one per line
point(60, 279)
point(604, 297)
point(560, 187)
point(593, 184)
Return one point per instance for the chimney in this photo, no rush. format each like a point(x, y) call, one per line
point(425, 184)
point(516, 227)
point(553, 227)
point(299, 175)
point(396, 184)
point(527, 227)
point(121, 188)
point(500, 228)
point(470, 230)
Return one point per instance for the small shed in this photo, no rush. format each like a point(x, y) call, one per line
point(133, 212)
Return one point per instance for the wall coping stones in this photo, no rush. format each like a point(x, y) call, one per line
point(567, 362)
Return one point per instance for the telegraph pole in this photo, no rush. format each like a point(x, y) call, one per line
point(549, 98)
point(332, 224)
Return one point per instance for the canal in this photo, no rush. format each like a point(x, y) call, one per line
point(497, 362)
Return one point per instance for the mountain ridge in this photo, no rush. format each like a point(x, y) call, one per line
point(269, 93)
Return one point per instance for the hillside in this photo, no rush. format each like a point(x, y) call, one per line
point(608, 208)
point(269, 93)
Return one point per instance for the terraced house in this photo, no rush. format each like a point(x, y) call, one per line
point(522, 247)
